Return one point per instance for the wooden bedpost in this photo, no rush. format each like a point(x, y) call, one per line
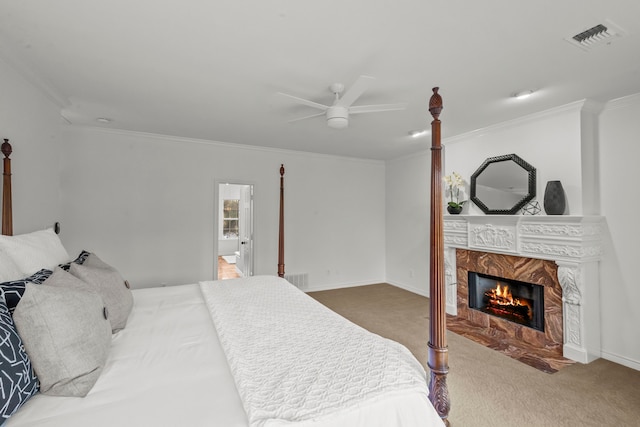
point(281, 226)
point(7, 218)
point(438, 351)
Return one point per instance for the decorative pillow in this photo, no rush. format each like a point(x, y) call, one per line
point(67, 336)
point(110, 285)
point(9, 270)
point(12, 291)
point(64, 279)
point(79, 260)
point(18, 382)
point(34, 251)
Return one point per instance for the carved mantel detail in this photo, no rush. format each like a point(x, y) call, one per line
point(573, 242)
point(490, 236)
point(568, 278)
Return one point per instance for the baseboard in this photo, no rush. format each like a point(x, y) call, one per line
point(409, 288)
point(620, 360)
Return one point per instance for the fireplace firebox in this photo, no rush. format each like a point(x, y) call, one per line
point(513, 300)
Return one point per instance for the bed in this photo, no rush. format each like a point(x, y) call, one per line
point(242, 352)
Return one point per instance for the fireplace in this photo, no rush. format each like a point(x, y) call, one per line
point(570, 245)
point(535, 338)
point(513, 300)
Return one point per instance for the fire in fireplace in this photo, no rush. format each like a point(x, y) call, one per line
point(516, 301)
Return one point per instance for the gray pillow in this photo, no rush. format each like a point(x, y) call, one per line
point(66, 335)
point(111, 287)
point(64, 279)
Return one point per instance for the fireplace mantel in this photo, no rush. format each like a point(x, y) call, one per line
point(573, 242)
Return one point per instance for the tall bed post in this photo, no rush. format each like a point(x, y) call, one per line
point(281, 226)
point(438, 352)
point(7, 218)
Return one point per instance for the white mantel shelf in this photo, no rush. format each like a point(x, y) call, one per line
point(573, 242)
point(552, 237)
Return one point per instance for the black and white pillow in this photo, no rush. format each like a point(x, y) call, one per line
point(79, 260)
point(18, 381)
point(12, 291)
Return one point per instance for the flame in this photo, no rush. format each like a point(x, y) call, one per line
point(502, 295)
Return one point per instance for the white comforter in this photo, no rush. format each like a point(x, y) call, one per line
point(168, 368)
point(295, 361)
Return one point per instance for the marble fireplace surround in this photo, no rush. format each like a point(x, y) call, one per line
point(573, 243)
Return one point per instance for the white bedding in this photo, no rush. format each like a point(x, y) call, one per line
point(168, 368)
point(296, 361)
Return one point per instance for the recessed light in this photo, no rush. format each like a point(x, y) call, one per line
point(418, 133)
point(104, 120)
point(523, 94)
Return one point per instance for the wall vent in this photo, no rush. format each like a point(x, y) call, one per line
point(299, 280)
point(601, 34)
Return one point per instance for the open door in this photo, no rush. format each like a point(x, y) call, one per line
point(245, 261)
point(234, 243)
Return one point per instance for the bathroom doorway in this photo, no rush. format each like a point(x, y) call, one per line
point(234, 225)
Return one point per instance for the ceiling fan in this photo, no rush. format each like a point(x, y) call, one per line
point(337, 114)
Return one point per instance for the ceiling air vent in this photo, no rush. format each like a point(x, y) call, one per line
point(597, 35)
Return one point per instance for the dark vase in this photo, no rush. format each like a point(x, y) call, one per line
point(454, 210)
point(554, 198)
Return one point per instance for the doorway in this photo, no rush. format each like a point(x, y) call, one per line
point(234, 226)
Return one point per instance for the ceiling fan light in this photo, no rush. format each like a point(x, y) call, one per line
point(418, 133)
point(337, 122)
point(523, 94)
point(337, 117)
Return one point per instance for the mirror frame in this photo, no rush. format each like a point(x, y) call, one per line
point(519, 205)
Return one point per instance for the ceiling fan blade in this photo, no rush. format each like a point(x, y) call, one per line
point(355, 91)
point(305, 101)
point(306, 117)
point(376, 108)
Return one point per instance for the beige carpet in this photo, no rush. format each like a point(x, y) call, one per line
point(488, 388)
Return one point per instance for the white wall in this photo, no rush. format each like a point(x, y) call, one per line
point(31, 123)
point(593, 156)
point(145, 203)
point(620, 288)
point(407, 204)
point(549, 141)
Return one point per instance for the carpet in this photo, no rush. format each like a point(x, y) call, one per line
point(488, 388)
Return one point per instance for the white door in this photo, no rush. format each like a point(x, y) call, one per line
point(245, 231)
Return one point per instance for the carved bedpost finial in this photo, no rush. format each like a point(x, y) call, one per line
point(6, 148)
point(435, 103)
point(281, 170)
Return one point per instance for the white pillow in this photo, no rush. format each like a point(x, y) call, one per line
point(34, 251)
point(8, 269)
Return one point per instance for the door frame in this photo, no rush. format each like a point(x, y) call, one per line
point(216, 220)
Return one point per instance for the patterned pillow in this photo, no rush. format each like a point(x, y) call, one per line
point(79, 260)
point(18, 382)
point(13, 291)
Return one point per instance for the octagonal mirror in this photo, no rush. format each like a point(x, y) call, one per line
point(503, 185)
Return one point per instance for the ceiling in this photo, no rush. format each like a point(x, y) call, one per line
point(212, 70)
